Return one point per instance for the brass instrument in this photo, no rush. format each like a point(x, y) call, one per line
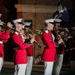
point(61, 12)
point(63, 32)
point(8, 25)
point(33, 33)
point(37, 32)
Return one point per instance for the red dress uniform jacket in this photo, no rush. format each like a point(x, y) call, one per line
point(20, 55)
point(3, 38)
point(49, 53)
point(30, 49)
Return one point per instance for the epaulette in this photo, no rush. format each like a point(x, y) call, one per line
point(46, 31)
point(16, 33)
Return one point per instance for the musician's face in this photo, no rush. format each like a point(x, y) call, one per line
point(18, 26)
point(57, 25)
point(51, 26)
point(27, 29)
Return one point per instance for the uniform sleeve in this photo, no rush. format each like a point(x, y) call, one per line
point(48, 41)
point(18, 41)
point(5, 35)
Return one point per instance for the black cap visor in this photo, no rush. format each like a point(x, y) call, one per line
point(19, 22)
point(52, 23)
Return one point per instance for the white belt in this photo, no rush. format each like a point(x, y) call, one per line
point(1, 42)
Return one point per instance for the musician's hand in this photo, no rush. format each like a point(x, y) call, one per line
point(32, 40)
point(34, 35)
point(58, 37)
point(62, 33)
point(66, 29)
point(9, 25)
point(60, 41)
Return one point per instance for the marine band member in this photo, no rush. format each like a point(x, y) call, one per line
point(30, 50)
point(20, 54)
point(49, 53)
point(4, 36)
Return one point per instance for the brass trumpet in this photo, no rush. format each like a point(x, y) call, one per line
point(63, 32)
point(33, 33)
point(37, 32)
point(8, 25)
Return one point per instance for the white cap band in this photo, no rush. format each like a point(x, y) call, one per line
point(27, 23)
point(58, 20)
point(49, 21)
point(17, 21)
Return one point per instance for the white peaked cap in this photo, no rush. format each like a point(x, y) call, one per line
point(58, 20)
point(17, 20)
point(27, 23)
point(1, 23)
point(49, 21)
